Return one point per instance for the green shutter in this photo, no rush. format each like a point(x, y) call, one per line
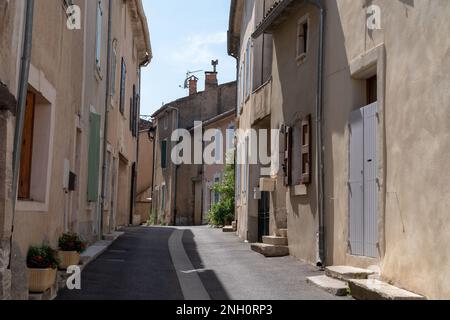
point(93, 157)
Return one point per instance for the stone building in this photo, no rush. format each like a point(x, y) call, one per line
point(364, 119)
point(178, 189)
point(144, 173)
point(75, 98)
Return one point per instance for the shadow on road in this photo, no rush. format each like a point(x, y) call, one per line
point(209, 279)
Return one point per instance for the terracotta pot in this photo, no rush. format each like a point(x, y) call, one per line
point(68, 258)
point(40, 280)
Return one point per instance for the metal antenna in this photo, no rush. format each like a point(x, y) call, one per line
point(215, 63)
point(189, 74)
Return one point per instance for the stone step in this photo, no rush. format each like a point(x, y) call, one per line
point(346, 273)
point(269, 250)
point(331, 285)
point(275, 240)
point(282, 233)
point(228, 229)
point(371, 289)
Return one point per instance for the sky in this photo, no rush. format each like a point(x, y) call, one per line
point(185, 36)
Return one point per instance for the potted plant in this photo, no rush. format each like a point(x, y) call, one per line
point(70, 247)
point(42, 266)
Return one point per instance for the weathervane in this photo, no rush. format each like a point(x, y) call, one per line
point(215, 63)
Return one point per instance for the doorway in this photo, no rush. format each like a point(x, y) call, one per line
point(263, 215)
point(363, 182)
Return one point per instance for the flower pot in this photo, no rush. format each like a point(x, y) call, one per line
point(40, 280)
point(68, 258)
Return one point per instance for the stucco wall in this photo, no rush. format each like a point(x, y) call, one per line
point(413, 67)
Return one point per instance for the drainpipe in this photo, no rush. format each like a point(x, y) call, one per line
point(176, 172)
point(106, 123)
point(22, 97)
point(319, 135)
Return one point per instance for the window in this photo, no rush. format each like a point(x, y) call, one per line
point(302, 37)
point(230, 137)
point(134, 112)
point(218, 152)
point(35, 161)
point(98, 44)
point(114, 68)
point(27, 148)
point(164, 154)
point(123, 78)
point(248, 69)
point(216, 193)
point(246, 164)
point(163, 197)
point(287, 165)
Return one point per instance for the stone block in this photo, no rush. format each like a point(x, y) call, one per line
point(371, 289)
point(333, 286)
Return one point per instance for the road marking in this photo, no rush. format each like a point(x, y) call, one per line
point(190, 283)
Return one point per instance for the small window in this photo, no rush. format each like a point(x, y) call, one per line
point(248, 69)
point(302, 37)
point(164, 154)
point(98, 45)
point(123, 77)
point(216, 193)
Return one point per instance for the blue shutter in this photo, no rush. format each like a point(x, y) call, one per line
point(370, 181)
point(356, 180)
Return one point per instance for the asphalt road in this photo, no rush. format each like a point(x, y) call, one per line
point(164, 263)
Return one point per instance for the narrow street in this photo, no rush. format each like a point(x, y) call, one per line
point(143, 265)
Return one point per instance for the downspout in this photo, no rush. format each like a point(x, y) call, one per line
point(22, 97)
point(319, 135)
point(106, 123)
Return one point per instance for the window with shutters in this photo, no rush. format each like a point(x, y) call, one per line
point(123, 77)
point(302, 38)
point(98, 43)
point(287, 165)
point(306, 141)
point(113, 68)
point(34, 168)
point(164, 154)
point(27, 149)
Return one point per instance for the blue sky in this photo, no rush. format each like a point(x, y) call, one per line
point(185, 35)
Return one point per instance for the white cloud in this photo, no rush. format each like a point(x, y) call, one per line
point(200, 48)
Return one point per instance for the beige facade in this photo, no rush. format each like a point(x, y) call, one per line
point(68, 83)
point(144, 173)
point(411, 64)
point(178, 190)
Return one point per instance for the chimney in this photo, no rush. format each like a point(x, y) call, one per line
point(210, 80)
point(193, 85)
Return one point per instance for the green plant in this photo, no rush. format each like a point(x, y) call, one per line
point(223, 211)
point(71, 242)
point(152, 218)
point(42, 258)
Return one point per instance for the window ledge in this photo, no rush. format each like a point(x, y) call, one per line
point(299, 190)
point(31, 206)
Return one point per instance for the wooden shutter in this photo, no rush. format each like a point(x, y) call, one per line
point(93, 157)
point(306, 163)
point(287, 156)
point(123, 77)
point(27, 148)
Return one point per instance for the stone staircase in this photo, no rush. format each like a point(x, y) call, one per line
point(273, 246)
point(362, 284)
